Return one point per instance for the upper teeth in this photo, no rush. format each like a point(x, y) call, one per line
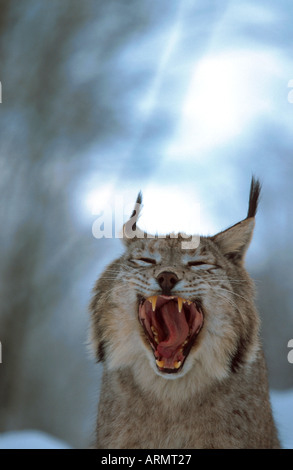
point(180, 301)
point(153, 300)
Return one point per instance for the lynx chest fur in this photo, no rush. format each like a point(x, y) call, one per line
point(178, 334)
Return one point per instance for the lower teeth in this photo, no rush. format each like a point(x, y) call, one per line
point(161, 364)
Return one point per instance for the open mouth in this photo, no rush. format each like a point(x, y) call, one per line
point(171, 325)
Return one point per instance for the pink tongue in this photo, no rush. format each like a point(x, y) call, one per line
point(177, 327)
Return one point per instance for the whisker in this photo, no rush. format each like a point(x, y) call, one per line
point(230, 301)
point(233, 293)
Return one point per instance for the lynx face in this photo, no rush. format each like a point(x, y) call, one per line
point(179, 310)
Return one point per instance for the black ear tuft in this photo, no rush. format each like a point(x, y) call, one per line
point(138, 201)
point(255, 188)
point(135, 212)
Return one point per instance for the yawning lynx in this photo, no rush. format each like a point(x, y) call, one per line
point(178, 334)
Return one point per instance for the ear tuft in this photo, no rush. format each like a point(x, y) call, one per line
point(130, 229)
point(255, 189)
point(136, 210)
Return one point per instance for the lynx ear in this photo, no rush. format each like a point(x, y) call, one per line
point(234, 241)
point(130, 229)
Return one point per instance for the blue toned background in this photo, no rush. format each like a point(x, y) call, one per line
point(184, 100)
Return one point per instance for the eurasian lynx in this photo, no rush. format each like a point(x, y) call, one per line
point(178, 334)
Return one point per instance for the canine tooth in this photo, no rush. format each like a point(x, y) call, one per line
point(153, 300)
point(177, 364)
point(180, 303)
point(160, 363)
point(185, 342)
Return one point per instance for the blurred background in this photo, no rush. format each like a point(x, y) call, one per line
point(184, 100)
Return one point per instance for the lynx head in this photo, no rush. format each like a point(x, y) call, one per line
point(165, 309)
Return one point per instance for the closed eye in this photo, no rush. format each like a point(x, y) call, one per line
point(148, 260)
point(203, 265)
point(144, 261)
point(196, 263)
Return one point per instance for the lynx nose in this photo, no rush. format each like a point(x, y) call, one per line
point(167, 281)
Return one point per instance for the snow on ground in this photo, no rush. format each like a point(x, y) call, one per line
point(282, 403)
point(30, 439)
